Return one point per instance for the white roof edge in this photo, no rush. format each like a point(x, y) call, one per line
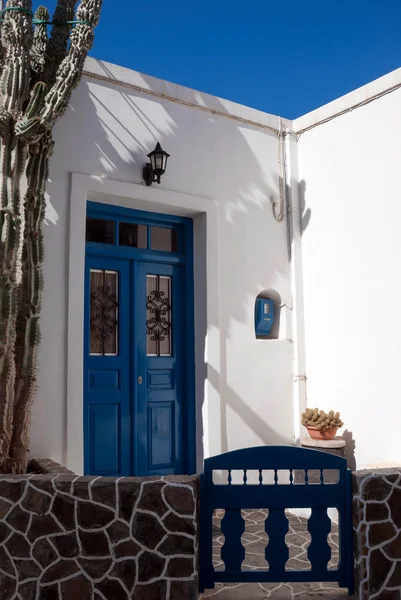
point(364, 94)
point(177, 93)
point(116, 74)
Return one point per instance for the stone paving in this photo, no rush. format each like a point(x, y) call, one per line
point(254, 541)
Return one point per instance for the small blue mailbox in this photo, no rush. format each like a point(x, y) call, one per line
point(264, 316)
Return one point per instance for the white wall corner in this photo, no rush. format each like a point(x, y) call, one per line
point(295, 210)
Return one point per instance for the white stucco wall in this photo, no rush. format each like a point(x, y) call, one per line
point(349, 170)
point(233, 165)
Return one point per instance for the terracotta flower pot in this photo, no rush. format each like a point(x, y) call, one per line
point(317, 434)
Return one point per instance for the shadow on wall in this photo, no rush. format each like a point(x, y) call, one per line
point(253, 420)
point(121, 135)
point(306, 213)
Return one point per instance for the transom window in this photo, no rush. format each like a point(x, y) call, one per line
point(131, 234)
point(100, 231)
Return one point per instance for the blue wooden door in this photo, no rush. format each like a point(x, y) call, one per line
point(159, 334)
point(139, 344)
point(107, 377)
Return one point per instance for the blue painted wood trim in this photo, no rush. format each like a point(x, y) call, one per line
point(104, 397)
point(275, 457)
point(319, 527)
point(137, 367)
point(232, 527)
point(350, 537)
point(248, 576)
point(97, 209)
point(206, 578)
point(118, 214)
point(276, 552)
point(85, 420)
point(184, 257)
point(112, 251)
point(203, 537)
point(276, 497)
point(190, 442)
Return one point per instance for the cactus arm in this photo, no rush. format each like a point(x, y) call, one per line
point(58, 41)
point(17, 35)
point(30, 127)
point(13, 163)
point(39, 45)
point(70, 69)
point(12, 167)
point(28, 330)
point(7, 306)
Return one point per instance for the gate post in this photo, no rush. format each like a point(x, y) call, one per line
point(206, 569)
point(202, 535)
point(350, 537)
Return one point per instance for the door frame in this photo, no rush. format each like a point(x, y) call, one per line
point(184, 258)
point(209, 344)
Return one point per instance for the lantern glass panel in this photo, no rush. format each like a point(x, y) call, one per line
point(159, 161)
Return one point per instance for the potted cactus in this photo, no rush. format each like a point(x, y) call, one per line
point(321, 425)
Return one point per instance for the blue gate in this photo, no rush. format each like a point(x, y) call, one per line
point(298, 492)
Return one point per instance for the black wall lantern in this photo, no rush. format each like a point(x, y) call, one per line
point(153, 170)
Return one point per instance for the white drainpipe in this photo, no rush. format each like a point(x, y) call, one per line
point(291, 185)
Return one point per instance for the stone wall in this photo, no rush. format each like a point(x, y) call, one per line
point(377, 534)
point(77, 538)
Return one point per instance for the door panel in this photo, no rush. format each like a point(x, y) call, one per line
point(107, 398)
point(159, 356)
point(160, 435)
point(104, 422)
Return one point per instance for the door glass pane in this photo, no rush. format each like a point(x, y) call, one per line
point(134, 235)
point(164, 239)
point(103, 312)
point(158, 315)
point(100, 231)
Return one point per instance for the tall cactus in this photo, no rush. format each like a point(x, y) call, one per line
point(37, 78)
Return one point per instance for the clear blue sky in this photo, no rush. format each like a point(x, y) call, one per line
point(285, 57)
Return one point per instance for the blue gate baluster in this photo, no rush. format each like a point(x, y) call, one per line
point(233, 552)
point(276, 527)
point(319, 551)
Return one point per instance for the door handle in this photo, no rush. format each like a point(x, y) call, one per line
point(140, 380)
